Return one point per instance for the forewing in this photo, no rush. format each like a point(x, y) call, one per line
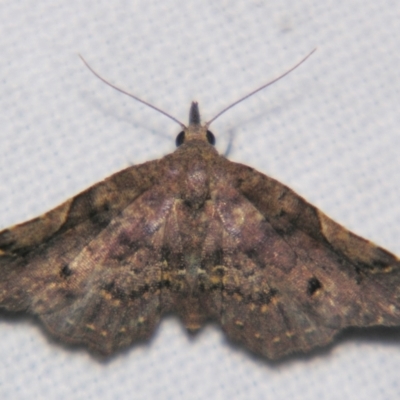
point(292, 278)
point(83, 267)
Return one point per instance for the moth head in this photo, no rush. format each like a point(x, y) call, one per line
point(195, 131)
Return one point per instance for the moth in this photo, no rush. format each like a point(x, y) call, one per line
point(204, 238)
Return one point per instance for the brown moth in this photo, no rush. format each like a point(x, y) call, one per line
point(202, 237)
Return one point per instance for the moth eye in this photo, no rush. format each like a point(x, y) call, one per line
point(180, 139)
point(210, 138)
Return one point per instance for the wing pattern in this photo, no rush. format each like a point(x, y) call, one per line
point(202, 237)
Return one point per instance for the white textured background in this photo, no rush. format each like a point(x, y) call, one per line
point(330, 130)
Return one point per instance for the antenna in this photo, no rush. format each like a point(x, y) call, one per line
point(219, 114)
point(130, 94)
point(260, 88)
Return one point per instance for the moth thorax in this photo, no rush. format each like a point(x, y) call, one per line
point(195, 188)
